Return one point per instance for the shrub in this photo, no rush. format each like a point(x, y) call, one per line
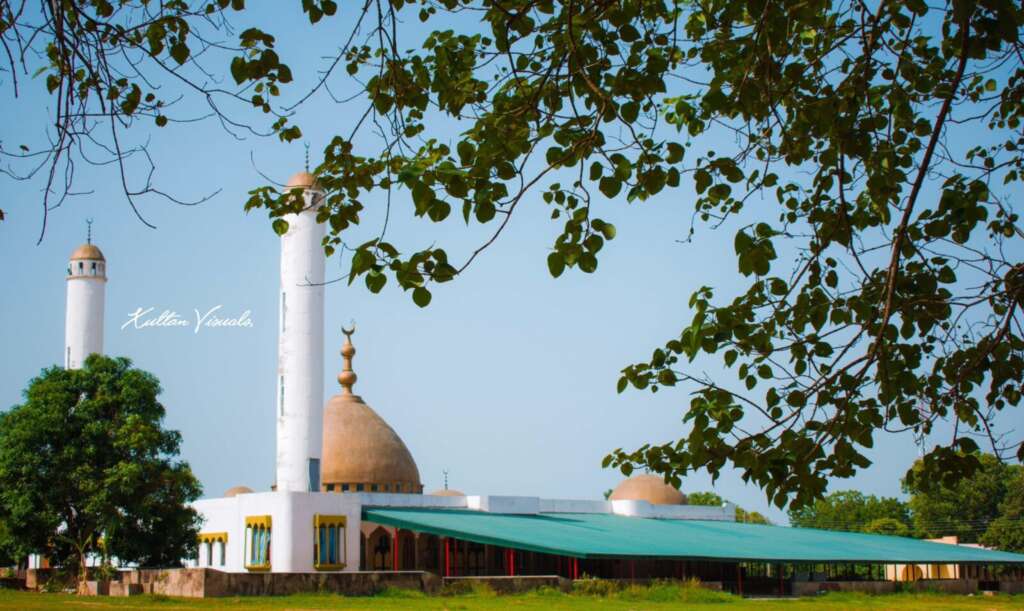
point(60, 581)
point(595, 587)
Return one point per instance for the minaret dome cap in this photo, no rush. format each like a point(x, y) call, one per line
point(303, 180)
point(87, 252)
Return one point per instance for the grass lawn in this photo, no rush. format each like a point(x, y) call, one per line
point(646, 598)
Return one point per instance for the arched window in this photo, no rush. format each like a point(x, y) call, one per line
point(93, 268)
point(328, 542)
point(257, 543)
point(81, 267)
point(208, 543)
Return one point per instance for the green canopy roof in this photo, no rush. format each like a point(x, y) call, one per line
point(590, 535)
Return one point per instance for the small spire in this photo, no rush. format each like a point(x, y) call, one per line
point(88, 231)
point(347, 377)
point(307, 156)
point(445, 479)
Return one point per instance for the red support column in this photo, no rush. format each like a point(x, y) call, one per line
point(447, 558)
point(511, 556)
point(739, 578)
point(394, 552)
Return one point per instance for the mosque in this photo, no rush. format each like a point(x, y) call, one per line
point(348, 495)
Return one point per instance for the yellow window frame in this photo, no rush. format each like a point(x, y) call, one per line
point(255, 522)
point(329, 521)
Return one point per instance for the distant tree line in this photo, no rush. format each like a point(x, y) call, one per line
point(987, 508)
point(742, 515)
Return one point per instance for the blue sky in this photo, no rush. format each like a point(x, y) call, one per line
point(507, 379)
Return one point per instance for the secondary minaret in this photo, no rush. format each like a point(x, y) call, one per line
point(83, 321)
point(300, 353)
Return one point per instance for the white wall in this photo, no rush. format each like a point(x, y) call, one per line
point(291, 534)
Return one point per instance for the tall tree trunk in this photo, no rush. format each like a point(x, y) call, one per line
point(83, 587)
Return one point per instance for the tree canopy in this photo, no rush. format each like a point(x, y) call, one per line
point(851, 510)
point(712, 499)
point(965, 509)
point(865, 157)
point(1007, 531)
point(85, 459)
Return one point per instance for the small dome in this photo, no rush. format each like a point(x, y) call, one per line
point(235, 491)
point(87, 252)
point(447, 492)
point(650, 488)
point(302, 180)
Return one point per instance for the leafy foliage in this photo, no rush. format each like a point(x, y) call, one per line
point(850, 510)
point(712, 499)
point(966, 508)
point(887, 526)
point(882, 144)
point(84, 458)
point(1007, 531)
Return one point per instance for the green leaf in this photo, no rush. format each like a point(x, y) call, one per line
point(702, 179)
point(610, 186)
point(280, 226)
point(556, 263)
point(180, 52)
point(421, 296)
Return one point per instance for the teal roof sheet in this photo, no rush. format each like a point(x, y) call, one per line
point(583, 535)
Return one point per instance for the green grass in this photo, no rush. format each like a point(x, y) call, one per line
point(658, 596)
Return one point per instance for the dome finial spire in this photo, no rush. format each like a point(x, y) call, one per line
point(88, 231)
point(347, 377)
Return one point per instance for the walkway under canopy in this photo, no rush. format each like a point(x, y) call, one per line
point(583, 535)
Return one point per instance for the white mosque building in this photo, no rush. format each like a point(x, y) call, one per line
point(348, 494)
point(335, 460)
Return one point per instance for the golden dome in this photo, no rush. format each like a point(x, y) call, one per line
point(236, 490)
point(87, 252)
point(447, 492)
point(302, 180)
point(650, 488)
point(360, 451)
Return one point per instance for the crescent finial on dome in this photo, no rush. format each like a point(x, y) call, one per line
point(347, 377)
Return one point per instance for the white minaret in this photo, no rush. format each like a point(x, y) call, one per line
point(83, 322)
point(300, 352)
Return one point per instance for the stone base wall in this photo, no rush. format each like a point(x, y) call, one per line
point(210, 583)
point(1011, 587)
point(810, 588)
point(946, 586)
